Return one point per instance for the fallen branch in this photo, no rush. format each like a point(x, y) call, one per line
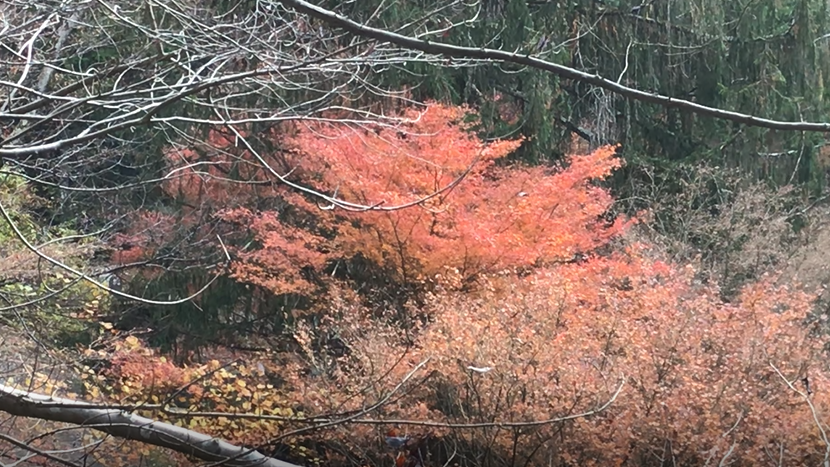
point(131, 426)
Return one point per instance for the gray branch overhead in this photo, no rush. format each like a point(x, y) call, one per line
point(449, 50)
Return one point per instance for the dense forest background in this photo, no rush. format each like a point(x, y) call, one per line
point(420, 233)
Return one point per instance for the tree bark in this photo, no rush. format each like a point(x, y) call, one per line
point(131, 426)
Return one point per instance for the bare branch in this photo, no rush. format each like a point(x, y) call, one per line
point(448, 50)
point(133, 427)
point(35, 452)
point(813, 412)
point(4, 213)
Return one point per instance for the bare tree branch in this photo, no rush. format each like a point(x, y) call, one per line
point(5, 215)
point(34, 452)
point(133, 427)
point(813, 412)
point(425, 45)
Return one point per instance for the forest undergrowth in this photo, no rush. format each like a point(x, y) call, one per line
point(522, 316)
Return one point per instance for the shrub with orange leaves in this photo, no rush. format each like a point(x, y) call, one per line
point(691, 379)
point(494, 219)
point(284, 254)
point(699, 377)
point(465, 212)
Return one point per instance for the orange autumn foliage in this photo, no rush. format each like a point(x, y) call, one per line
point(589, 312)
point(496, 218)
point(283, 254)
point(700, 375)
